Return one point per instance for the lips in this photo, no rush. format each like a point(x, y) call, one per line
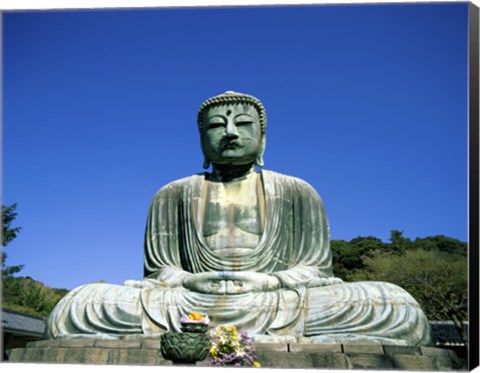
point(232, 145)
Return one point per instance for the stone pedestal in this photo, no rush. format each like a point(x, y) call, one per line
point(270, 355)
point(91, 351)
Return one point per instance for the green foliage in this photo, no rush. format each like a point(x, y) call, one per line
point(23, 293)
point(443, 244)
point(11, 270)
point(399, 244)
point(27, 295)
point(350, 256)
point(347, 256)
point(9, 233)
point(432, 269)
point(8, 216)
point(438, 281)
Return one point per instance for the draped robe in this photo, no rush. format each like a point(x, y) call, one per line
point(294, 247)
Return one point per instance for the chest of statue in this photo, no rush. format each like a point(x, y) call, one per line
point(233, 214)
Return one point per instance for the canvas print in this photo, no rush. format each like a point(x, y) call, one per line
point(253, 186)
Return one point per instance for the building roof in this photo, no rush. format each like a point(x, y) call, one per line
point(22, 323)
point(446, 334)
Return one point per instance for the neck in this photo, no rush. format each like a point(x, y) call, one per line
point(228, 172)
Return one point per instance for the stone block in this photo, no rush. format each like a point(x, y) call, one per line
point(263, 338)
point(270, 359)
point(331, 360)
point(453, 354)
point(460, 364)
point(133, 337)
point(116, 343)
point(80, 342)
point(97, 356)
point(32, 355)
point(137, 357)
point(74, 356)
point(437, 352)
point(37, 354)
point(16, 354)
point(402, 350)
point(363, 348)
point(45, 343)
point(203, 363)
point(54, 355)
point(277, 347)
point(314, 347)
point(414, 362)
point(151, 344)
point(160, 360)
point(369, 361)
point(460, 352)
point(444, 363)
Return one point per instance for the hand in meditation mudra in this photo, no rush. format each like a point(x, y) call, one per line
point(243, 247)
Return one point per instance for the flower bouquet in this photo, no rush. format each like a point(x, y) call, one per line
point(232, 348)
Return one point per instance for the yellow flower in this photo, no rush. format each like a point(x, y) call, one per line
point(231, 328)
point(256, 364)
point(213, 351)
point(195, 316)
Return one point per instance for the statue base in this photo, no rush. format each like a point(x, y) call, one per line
point(270, 355)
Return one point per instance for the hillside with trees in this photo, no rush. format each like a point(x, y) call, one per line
point(432, 269)
point(23, 293)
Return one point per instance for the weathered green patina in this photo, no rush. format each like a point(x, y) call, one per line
point(245, 247)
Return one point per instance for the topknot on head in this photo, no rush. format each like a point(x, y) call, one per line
point(232, 97)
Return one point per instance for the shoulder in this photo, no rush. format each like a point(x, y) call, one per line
point(287, 180)
point(176, 187)
point(296, 187)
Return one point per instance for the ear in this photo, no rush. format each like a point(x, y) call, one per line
point(206, 163)
point(259, 161)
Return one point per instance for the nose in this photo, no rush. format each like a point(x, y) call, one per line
point(231, 129)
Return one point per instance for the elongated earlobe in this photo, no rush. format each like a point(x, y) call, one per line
point(259, 160)
point(206, 163)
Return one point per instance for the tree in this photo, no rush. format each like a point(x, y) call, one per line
point(348, 256)
point(432, 269)
point(8, 216)
point(9, 233)
point(399, 244)
point(23, 293)
point(437, 280)
point(27, 295)
point(442, 244)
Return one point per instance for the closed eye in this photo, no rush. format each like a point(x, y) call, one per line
point(215, 125)
point(243, 123)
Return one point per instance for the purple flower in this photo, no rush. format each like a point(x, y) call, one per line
point(231, 348)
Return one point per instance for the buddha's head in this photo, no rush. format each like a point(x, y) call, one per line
point(232, 129)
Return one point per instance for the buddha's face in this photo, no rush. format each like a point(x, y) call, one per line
point(231, 134)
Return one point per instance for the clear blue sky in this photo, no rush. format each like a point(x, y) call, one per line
point(367, 103)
